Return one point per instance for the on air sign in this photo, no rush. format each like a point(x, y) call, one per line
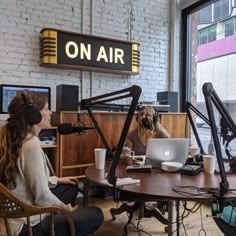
point(79, 51)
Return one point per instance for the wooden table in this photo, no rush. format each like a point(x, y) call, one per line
point(159, 185)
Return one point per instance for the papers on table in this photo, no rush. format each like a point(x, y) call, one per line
point(122, 181)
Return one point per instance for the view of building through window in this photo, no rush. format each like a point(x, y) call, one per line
point(213, 59)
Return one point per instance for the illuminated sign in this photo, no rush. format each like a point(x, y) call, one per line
point(64, 49)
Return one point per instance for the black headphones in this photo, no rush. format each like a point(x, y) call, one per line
point(32, 113)
point(155, 116)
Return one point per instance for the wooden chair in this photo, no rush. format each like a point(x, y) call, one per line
point(13, 207)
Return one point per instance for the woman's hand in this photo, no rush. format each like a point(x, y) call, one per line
point(74, 208)
point(67, 180)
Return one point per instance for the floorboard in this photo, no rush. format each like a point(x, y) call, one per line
point(198, 223)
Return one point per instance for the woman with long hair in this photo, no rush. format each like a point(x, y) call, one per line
point(26, 171)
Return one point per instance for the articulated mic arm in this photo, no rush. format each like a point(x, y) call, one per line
point(87, 104)
point(211, 97)
point(189, 107)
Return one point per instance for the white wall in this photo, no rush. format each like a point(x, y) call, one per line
point(221, 73)
point(143, 21)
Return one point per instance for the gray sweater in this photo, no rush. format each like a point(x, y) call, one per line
point(33, 183)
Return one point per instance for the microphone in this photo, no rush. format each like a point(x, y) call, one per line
point(68, 128)
point(148, 124)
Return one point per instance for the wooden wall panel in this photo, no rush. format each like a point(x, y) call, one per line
point(175, 123)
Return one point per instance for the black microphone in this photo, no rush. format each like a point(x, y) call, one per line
point(68, 128)
point(147, 124)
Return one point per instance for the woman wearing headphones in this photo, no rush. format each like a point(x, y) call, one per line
point(25, 170)
point(148, 126)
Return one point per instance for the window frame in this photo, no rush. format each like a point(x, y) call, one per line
point(185, 71)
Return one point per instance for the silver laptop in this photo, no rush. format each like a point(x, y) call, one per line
point(166, 149)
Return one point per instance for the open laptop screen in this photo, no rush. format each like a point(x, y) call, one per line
point(170, 149)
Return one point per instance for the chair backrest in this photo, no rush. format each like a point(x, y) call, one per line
point(13, 207)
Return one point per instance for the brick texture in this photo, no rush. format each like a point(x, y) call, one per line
point(143, 21)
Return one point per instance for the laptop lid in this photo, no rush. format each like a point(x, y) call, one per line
point(167, 149)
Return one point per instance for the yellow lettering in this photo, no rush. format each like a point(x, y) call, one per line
point(85, 51)
point(111, 54)
point(67, 49)
point(102, 54)
point(119, 54)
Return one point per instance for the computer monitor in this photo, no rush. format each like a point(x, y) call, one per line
point(8, 91)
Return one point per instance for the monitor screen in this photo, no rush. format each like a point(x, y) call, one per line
point(7, 92)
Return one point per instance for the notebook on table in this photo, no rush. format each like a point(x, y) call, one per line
point(166, 150)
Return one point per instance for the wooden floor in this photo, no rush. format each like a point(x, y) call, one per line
point(197, 223)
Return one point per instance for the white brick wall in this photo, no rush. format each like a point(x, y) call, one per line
point(143, 21)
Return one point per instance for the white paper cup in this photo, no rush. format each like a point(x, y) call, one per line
point(209, 163)
point(100, 157)
point(194, 151)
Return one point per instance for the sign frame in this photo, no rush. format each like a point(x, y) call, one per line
point(64, 49)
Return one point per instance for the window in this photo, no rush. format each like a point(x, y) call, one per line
point(221, 9)
point(212, 33)
point(207, 35)
point(230, 27)
point(207, 59)
point(205, 15)
point(216, 11)
point(202, 38)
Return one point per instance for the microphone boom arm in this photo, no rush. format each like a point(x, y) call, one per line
point(212, 97)
point(189, 107)
point(109, 152)
point(87, 104)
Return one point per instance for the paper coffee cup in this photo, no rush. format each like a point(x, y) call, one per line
point(100, 158)
point(209, 163)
